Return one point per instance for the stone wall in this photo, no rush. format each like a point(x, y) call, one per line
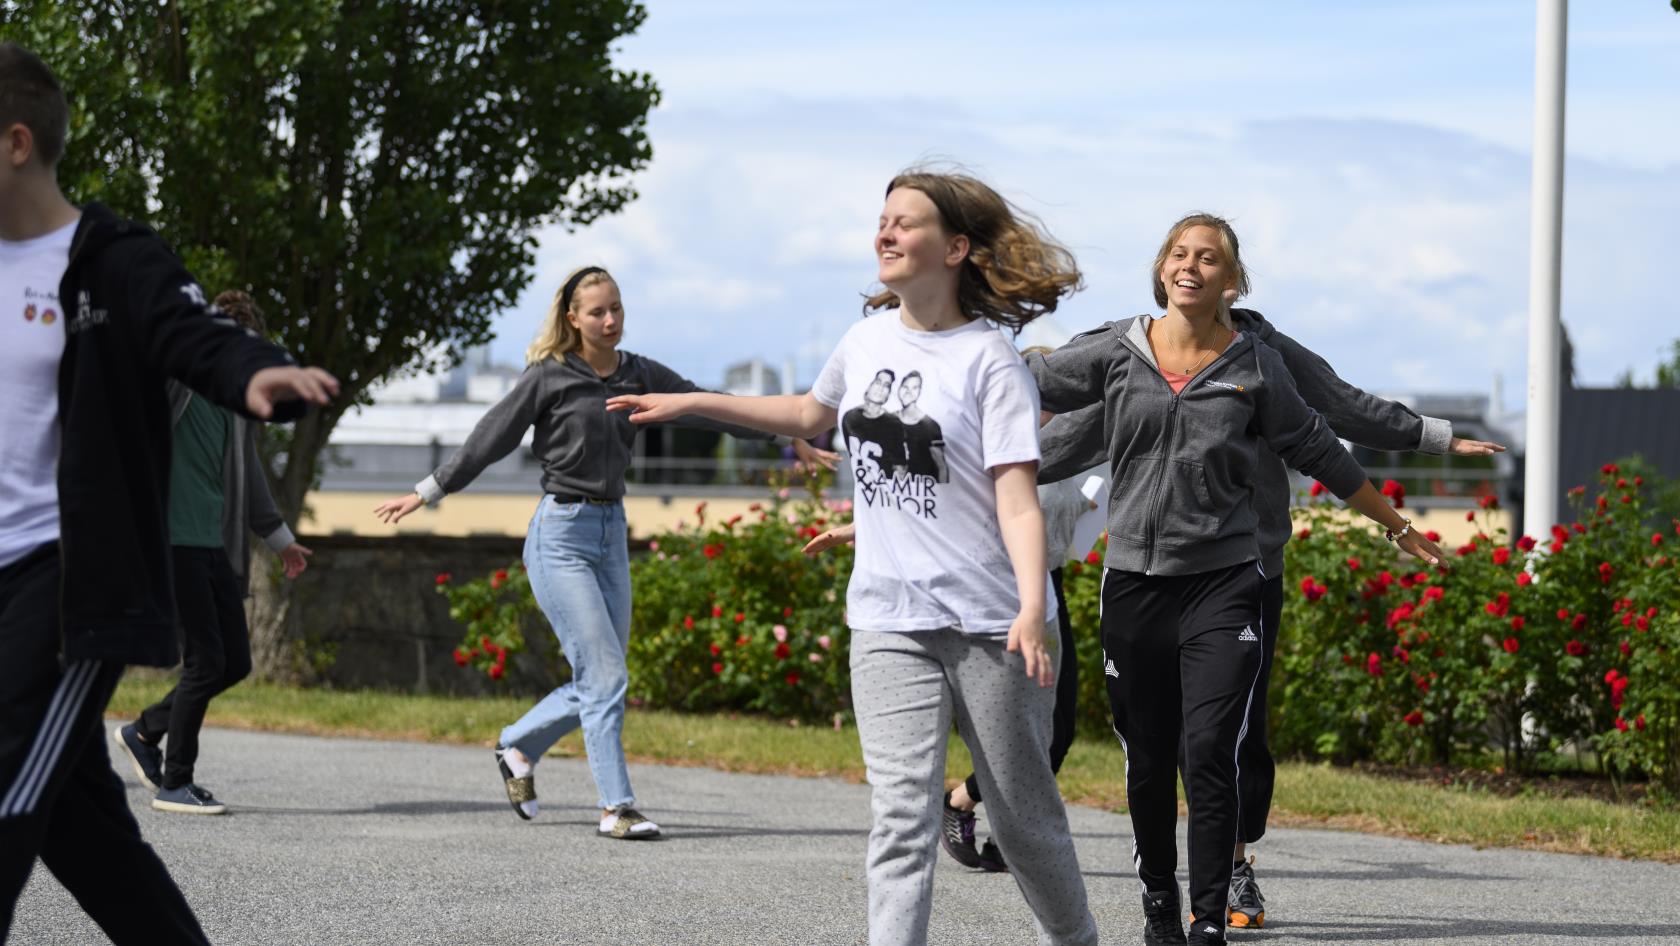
point(367, 613)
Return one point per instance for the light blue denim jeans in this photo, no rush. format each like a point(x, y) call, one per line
point(579, 565)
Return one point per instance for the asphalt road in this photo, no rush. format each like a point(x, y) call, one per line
point(340, 841)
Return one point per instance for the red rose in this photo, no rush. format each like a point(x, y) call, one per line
point(1626, 498)
point(1316, 489)
point(717, 669)
point(731, 521)
point(1639, 481)
point(1563, 614)
point(787, 612)
point(1501, 555)
point(1626, 649)
point(484, 642)
point(1603, 504)
point(501, 574)
point(1579, 623)
point(1517, 623)
point(1621, 483)
point(1642, 622)
point(1656, 538)
point(1525, 579)
point(1353, 564)
point(1639, 721)
point(792, 679)
point(1489, 501)
point(1526, 543)
point(1621, 724)
point(1470, 516)
point(1303, 534)
point(496, 671)
point(1627, 619)
point(717, 610)
point(742, 641)
point(1609, 469)
point(461, 657)
point(1373, 665)
point(739, 617)
point(1575, 648)
point(1433, 593)
point(782, 651)
point(1511, 645)
point(1092, 558)
point(1414, 718)
point(716, 650)
point(1432, 535)
point(1611, 675)
point(710, 551)
point(688, 623)
point(443, 578)
point(1579, 529)
point(1651, 611)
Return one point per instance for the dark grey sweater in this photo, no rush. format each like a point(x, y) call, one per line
point(1184, 464)
point(1077, 441)
point(584, 450)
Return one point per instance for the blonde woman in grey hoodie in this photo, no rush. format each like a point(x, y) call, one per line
point(1190, 404)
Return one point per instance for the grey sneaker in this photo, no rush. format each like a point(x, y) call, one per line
point(628, 824)
point(1161, 923)
point(1247, 907)
point(146, 759)
point(188, 800)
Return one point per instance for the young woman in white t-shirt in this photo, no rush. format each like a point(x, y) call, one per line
point(947, 595)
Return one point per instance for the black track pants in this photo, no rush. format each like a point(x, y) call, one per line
point(215, 655)
point(1065, 722)
point(1256, 772)
point(59, 799)
point(1183, 655)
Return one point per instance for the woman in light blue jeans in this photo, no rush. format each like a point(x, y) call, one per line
point(575, 550)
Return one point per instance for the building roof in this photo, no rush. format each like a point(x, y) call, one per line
point(1598, 425)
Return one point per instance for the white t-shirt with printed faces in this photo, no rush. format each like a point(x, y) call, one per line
point(31, 344)
point(925, 416)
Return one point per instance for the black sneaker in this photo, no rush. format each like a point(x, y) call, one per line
point(1205, 933)
point(1161, 925)
point(146, 759)
point(188, 800)
point(991, 859)
point(956, 834)
point(1247, 907)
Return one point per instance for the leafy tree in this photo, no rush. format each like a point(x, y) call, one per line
point(373, 171)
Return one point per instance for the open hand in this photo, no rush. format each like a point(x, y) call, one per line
point(296, 558)
point(286, 384)
point(1460, 447)
point(1414, 543)
point(648, 408)
point(813, 457)
point(839, 535)
point(395, 509)
point(1026, 635)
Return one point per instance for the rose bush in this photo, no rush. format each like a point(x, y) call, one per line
point(1532, 648)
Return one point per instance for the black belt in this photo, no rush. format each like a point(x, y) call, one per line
point(575, 498)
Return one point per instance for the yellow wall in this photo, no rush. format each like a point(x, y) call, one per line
point(501, 514)
point(497, 514)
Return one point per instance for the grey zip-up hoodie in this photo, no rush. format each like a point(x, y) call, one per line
point(584, 450)
point(1184, 465)
point(247, 505)
point(1077, 441)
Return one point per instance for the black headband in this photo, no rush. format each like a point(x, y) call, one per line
point(572, 284)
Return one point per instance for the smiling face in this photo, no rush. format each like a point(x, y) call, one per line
point(598, 314)
point(911, 245)
point(879, 388)
point(1196, 269)
point(910, 389)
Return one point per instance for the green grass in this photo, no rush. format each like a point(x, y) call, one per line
point(1307, 795)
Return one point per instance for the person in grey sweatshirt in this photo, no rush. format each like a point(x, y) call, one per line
point(1188, 405)
point(1077, 441)
point(576, 551)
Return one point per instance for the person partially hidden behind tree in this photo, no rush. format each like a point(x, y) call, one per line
point(96, 313)
point(218, 495)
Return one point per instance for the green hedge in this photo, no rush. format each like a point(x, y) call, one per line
point(1527, 652)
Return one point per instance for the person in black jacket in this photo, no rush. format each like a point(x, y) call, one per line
point(218, 493)
point(109, 314)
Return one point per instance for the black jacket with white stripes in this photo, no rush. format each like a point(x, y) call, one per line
point(136, 319)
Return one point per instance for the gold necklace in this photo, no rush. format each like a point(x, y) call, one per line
point(1198, 364)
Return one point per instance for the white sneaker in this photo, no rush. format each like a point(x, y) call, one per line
point(628, 824)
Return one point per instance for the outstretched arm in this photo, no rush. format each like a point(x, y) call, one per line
point(792, 415)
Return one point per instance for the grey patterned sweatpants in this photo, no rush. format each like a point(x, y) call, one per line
point(905, 687)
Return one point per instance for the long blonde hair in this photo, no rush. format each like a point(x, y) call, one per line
point(558, 335)
point(1227, 241)
point(1015, 271)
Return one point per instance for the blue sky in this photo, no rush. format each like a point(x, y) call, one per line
point(1374, 158)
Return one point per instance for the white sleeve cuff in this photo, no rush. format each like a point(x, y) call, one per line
point(430, 492)
point(280, 539)
point(1437, 436)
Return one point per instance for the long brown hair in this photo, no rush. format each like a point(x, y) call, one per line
point(558, 335)
point(1014, 272)
point(1227, 241)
